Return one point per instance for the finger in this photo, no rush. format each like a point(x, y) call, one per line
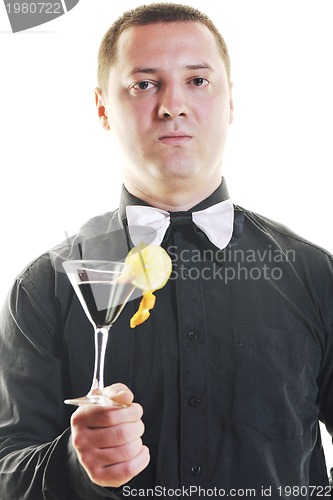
point(118, 474)
point(103, 416)
point(110, 456)
point(111, 436)
point(131, 413)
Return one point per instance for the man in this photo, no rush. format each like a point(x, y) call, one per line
point(233, 370)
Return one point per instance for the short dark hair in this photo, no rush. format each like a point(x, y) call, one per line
point(149, 14)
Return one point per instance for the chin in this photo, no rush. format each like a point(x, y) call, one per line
point(175, 170)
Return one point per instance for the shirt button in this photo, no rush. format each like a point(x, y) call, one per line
point(187, 273)
point(193, 401)
point(192, 335)
point(195, 470)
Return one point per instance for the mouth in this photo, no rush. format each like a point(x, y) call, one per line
point(175, 139)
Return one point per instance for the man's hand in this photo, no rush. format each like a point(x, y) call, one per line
point(108, 440)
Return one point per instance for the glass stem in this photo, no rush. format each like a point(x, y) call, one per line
point(101, 339)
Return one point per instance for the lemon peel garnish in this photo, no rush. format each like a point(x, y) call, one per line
point(147, 267)
point(142, 314)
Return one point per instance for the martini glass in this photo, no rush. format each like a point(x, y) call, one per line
point(103, 295)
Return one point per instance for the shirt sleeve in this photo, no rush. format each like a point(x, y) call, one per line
point(37, 460)
point(325, 379)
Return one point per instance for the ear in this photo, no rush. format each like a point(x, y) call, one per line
point(231, 101)
point(101, 109)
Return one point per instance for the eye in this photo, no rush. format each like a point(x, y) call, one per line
point(199, 82)
point(144, 85)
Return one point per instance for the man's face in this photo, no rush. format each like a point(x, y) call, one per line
point(169, 104)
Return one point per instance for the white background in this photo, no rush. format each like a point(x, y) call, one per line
point(59, 168)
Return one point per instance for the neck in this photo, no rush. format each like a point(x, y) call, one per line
point(171, 199)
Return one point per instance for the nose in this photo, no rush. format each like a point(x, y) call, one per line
point(173, 102)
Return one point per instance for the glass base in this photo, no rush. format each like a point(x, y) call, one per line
point(94, 399)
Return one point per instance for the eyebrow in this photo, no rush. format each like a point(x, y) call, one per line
point(188, 67)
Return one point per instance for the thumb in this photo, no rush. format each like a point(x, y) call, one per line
point(119, 393)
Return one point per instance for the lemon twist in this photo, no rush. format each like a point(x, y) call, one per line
point(148, 267)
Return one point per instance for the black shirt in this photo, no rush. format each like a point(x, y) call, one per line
point(233, 368)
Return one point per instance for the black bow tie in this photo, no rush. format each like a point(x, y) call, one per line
point(148, 224)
